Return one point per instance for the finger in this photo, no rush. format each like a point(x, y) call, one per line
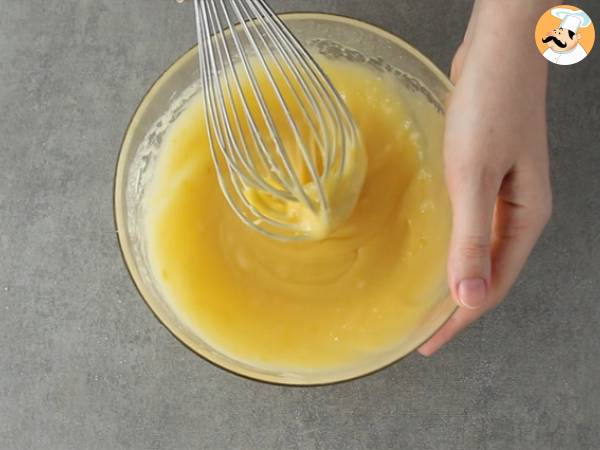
point(522, 210)
point(461, 319)
point(469, 261)
point(512, 246)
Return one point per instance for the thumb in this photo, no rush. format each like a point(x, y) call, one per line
point(469, 261)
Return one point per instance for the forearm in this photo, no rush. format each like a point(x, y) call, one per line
point(500, 39)
point(509, 21)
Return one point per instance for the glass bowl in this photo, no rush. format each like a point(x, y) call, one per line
point(329, 35)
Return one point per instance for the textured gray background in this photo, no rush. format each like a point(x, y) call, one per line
point(85, 365)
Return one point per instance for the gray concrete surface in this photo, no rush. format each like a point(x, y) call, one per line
point(85, 365)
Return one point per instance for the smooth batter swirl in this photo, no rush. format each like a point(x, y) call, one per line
point(318, 304)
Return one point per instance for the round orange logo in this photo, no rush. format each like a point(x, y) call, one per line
point(565, 35)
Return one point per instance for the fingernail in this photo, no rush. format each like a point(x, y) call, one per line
point(472, 292)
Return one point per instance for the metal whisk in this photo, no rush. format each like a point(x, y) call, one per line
point(280, 134)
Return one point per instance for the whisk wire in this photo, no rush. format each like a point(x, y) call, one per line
point(312, 122)
point(210, 78)
point(276, 125)
point(281, 37)
point(249, 174)
point(290, 65)
point(306, 60)
point(267, 116)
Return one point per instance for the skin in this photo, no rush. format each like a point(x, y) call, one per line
point(562, 35)
point(496, 158)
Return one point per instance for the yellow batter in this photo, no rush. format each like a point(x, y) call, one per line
point(311, 305)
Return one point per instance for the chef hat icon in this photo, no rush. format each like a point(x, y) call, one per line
point(571, 20)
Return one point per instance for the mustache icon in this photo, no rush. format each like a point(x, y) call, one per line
point(555, 40)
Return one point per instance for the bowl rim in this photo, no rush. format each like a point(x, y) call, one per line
point(120, 219)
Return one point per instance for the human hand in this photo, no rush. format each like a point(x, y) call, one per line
point(496, 162)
